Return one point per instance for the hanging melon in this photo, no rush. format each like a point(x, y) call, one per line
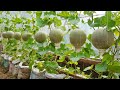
point(102, 39)
point(40, 37)
point(26, 36)
point(9, 34)
point(77, 39)
point(56, 36)
point(17, 35)
point(4, 35)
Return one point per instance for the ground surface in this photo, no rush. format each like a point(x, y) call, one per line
point(4, 74)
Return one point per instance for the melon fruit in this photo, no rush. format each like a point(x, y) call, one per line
point(4, 35)
point(77, 38)
point(9, 34)
point(56, 36)
point(102, 39)
point(26, 36)
point(40, 37)
point(17, 35)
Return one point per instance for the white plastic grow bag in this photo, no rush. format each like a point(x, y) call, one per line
point(54, 76)
point(23, 72)
point(36, 74)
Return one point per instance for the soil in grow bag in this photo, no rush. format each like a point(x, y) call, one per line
point(24, 71)
point(14, 67)
point(5, 75)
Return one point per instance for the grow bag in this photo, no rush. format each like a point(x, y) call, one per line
point(14, 66)
point(6, 60)
point(23, 72)
point(36, 74)
point(54, 76)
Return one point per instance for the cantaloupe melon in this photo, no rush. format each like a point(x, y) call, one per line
point(56, 36)
point(26, 36)
point(77, 38)
point(102, 39)
point(9, 34)
point(40, 37)
point(17, 35)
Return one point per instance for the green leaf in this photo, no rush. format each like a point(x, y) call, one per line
point(64, 14)
point(89, 37)
point(1, 20)
point(62, 58)
point(89, 22)
point(29, 12)
point(57, 22)
point(82, 21)
point(80, 55)
point(116, 63)
point(116, 33)
point(49, 13)
point(68, 52)
point(75, 59)
point(114, 68)
point(88, 45)
point(102, 67)
point(74, 20)
point(38, 14)
point(108, 14)
point(76, 56)
point(40, 22)
point(51, 66)
point(107, 58)
point(71, 70)
point(17, 20)
point(111, 23)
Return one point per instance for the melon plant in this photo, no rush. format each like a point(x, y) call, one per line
point(9, 34)
point(77, 38)
point(26, 36)
point(102, 39)
point(40, 37)
point(56, 36)
point(17, 35)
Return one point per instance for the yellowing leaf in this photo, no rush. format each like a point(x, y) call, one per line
point(116, 33)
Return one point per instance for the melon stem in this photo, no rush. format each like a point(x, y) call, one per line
point(57, 45)
point(77, 49)
point(101, 52)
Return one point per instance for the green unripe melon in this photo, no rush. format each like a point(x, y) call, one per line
point(77, 38)
point(4, 35)
point(102, 39)
point(40, 37)
point(26, 36)
point(9, 34)
point(17, 35)
point(56, 36)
